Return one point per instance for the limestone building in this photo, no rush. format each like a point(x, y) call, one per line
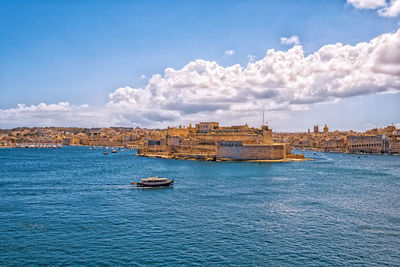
point(365, 143)
point(210, 141)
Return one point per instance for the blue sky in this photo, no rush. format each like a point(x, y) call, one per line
point(81, 51)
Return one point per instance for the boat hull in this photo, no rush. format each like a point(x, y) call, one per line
point(155, 185)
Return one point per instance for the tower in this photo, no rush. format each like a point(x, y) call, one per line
point(267, 135)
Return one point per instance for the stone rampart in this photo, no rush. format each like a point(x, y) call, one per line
point(238, 151)
point(246, 138)
point(181, 132)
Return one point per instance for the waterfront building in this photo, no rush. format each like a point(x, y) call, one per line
point(336, 144)
point(365, 143)
point(394, 147)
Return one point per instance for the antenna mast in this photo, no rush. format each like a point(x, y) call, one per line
point(263, 118)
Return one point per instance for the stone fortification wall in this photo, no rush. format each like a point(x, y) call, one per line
point(246, 138)
point(174, 140)
point(206, 150)
point(287, 148)
point(237, 151)
point(182, 132)
point(153, 149)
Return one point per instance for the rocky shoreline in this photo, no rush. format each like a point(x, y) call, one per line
point(208, 158)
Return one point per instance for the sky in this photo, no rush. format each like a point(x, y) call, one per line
point(166, 63)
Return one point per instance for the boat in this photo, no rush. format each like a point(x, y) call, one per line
point(114, 151)
point(105, 153)
point(154, 182)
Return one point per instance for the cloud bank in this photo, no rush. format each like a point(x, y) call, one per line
point(384, 8)
point(203, 90)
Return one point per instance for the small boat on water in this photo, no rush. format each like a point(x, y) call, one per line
point(105, 153)
point(154, 182)
point(114, 151)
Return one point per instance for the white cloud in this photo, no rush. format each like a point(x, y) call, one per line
point(368, 4)
point(291, 40)
point(391, 10)
point(61, 114)
point(203, 90)
point(143, 76)
point(229, 52)
point(251, 58)
point(384, 8)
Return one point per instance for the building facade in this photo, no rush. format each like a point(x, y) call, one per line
point(365, 143)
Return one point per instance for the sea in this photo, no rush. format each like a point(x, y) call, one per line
point(75, 206)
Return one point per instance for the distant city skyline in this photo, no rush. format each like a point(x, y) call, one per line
point(164, 63)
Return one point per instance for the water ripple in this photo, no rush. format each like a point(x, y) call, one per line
point(74, 206)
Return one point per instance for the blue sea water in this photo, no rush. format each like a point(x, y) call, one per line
point(75, 206)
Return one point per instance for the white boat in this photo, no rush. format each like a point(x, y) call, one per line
point(154, 182)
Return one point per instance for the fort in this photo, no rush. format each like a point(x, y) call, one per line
point(210, 141)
